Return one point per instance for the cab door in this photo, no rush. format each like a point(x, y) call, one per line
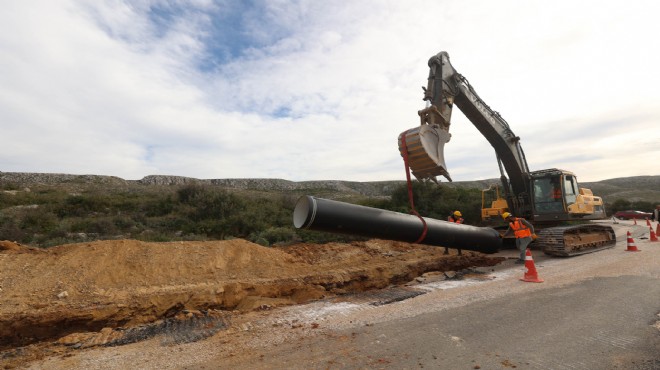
point(548, 195)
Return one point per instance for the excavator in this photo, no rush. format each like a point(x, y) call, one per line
point(551, 199)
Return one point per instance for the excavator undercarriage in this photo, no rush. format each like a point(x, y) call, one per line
point(567, 241)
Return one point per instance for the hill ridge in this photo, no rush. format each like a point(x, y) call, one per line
point(634, 188)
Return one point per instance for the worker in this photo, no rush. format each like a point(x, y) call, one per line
point(555, 193)
point(457, 218)
point(522, 230)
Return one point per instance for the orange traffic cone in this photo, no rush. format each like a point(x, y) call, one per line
point(631, 244)
point(657, 229)
point(530, 275)
point(653, 237)
point(648, 223)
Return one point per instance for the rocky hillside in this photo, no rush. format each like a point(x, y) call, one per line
point(20, 180)
point(638, 188)
point(634, 189)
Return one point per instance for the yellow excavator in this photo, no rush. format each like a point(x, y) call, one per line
point(551, 199)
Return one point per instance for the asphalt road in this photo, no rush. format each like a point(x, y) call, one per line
point(604, 323)
point(597, 311)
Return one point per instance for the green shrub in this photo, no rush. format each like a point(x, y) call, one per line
point(623, 205)
point(37, 220)
point(10, 230)
point(192, 212)
point(274, 235)
point(437, 201)
point(262, 242)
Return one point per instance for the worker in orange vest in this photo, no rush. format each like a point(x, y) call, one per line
point(556, 194)
point(455, 217)
point(522, 230)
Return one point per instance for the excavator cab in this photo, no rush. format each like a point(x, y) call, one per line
point(548, 195)
point(557, 196)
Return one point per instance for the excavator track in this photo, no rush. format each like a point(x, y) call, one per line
point(567, 241)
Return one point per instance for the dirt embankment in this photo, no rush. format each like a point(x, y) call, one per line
point(77, 288)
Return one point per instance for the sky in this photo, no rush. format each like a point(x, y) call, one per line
point(320, 90)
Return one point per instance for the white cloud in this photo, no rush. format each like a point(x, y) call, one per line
point(98, 88)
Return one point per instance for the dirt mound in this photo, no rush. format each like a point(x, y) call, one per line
point(7, 246)
point(49, 294)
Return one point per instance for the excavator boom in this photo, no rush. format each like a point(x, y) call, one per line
point(445, 88)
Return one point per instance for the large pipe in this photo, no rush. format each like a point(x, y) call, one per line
point(337, 217)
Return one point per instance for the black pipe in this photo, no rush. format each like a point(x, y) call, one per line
point(337, 217)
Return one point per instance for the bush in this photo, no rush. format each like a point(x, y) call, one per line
point(192, 212)
point(437, 201)
point(274, 235)
point(81, 206)
point(624, 205)
point(10, 230)
point(153, 236)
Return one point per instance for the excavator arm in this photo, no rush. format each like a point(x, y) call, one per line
point(445, 88)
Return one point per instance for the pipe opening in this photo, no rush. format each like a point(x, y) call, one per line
point(303, 214)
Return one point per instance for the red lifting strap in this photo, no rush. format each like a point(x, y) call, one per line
point(404, 145)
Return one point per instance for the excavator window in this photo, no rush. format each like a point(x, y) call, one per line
point(548, 195)
point(570, 189)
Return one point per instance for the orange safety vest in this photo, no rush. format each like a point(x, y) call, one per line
point(520, 230)
point(556, 193)
point(452, 219)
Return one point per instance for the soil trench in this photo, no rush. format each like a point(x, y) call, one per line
point(122, 290)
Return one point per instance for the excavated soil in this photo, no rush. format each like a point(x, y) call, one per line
point(121, 291)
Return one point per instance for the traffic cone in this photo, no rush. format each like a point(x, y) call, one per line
point(648, 223)
point(631, 244)
point(531, 276)
point(657, 229)
point(653, 237)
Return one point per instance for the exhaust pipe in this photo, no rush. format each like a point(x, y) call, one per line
point(344, 218)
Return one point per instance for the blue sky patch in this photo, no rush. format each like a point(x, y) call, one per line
point(236, 27)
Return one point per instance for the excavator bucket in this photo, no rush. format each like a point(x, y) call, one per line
point(423, 149)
